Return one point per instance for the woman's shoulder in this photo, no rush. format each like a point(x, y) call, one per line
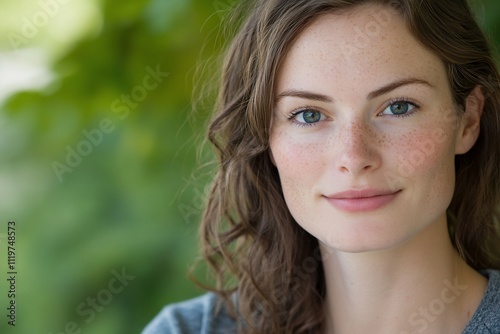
point(199, 315)
point(487, 317)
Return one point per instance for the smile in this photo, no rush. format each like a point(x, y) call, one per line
point(361, 200)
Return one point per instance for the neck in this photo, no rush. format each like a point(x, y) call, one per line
point(421, 285)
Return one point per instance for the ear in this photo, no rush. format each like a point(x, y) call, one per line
point(469, 127)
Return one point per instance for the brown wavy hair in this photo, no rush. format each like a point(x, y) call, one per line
point(249, 238)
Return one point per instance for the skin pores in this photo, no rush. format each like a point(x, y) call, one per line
point(364, 132)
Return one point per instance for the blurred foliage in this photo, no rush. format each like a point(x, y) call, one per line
point(135, 200)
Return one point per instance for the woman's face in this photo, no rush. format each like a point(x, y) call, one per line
point(364, 131)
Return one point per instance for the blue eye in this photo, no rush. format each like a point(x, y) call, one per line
point(307, 116)
point(399, 108)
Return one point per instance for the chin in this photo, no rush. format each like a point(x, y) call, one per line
point(366, 241)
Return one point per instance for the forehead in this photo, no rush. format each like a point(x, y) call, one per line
point(358, 49)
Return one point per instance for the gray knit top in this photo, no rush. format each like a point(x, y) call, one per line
point(198, 316)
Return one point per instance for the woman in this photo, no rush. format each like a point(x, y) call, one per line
point(358, 180)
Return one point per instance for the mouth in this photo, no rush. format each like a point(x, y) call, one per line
point(362, 200)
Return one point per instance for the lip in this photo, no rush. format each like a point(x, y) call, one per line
point(362, 200)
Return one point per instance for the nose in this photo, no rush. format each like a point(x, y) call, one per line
point(358, 151)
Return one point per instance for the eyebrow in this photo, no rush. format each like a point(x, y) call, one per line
point(304, 95)
point(396, 84)
point(381, 91)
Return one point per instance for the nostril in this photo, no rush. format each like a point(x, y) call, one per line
point(358, 157)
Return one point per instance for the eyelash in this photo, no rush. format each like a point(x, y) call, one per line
point(296, 112)
point(291, 116)
point(405, 100)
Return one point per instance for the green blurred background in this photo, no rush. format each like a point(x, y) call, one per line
point(132, 200)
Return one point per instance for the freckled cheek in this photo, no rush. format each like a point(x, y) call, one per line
point(434, 182)
point(297, 182)
point(299, 165)
point(296, 158)
point(426, 158)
